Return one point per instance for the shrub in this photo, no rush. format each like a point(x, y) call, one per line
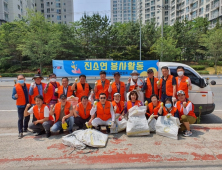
point(198, 67)
point(16, 74)
point(203, 72)
point(219, 63)
point(14, 68)
point(210, 64)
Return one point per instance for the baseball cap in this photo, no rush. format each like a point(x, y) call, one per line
point(62, 96)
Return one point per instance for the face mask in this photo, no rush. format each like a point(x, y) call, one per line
point(168, 105)
point(21, 81)
point(134, 77)
point(180, 73)
point(53, 80)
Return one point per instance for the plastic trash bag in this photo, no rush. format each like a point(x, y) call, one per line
point(152, 123)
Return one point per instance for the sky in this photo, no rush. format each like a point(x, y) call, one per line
point(90, 7)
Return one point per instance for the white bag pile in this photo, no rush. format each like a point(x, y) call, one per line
point(168, 126)
point(152, 123)
point(119, 125)
point(137, 124)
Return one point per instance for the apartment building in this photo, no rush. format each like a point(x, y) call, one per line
point(56, 11)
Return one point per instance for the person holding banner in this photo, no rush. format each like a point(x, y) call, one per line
point(82, 88)
point(102, 86)
point(186, 113)
point(183, 82)
point(150, 85)
point(167, 85)
point(49, 91)
point(153, 107)
point(118, 105)
point(134, 83)
point(64, 88)
point(118, 87)
point(104, 111)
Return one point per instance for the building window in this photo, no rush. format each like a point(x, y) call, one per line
point(65, 22)
point(64, 10)
point(64, 3)
point(42, 11)
point(52, 9)
point(58, 11)
point(58, 17)
point(52, 16)
point(51, 3)
point(48, 16)
point(42, 5)
point(64, 16)
point(48, 3)
point(18, 7)
point(48, 10)
point(58, 5)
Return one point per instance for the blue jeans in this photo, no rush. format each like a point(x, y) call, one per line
point(22, 125)
point(58, 125)
point(164, 96)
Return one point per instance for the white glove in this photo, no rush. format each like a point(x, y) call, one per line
point(168, 115)
point(112, 125)
point(174, 99)
point(151, 117)
point(111, 83)
point(115, 108)
point(145, 79)
point(33, 85)
point(56, 90)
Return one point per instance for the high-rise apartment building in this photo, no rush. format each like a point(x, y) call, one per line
point(56, 11)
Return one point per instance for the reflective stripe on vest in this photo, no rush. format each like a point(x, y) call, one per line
point(103, 113)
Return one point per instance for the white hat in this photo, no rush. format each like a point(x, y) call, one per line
point(180, 92)
point(115, 94)
point(135, 72)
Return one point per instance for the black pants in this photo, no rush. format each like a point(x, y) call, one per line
point(80, 121)
point(22, 125)
point(41, 127)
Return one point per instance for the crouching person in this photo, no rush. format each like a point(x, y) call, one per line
point(82, 112)
point(104, 111)
point(186, 113)
point(63, 112)
point(41, 112)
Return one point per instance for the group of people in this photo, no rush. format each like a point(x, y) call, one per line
point(48, 104)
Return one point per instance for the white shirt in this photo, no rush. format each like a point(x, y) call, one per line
point(94, 109)
point(65, 90)
point(46, 111)
point(185, 110)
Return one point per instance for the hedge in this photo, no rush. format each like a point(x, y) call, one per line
point(210, 64)
point(198, 67)
point(203, 72)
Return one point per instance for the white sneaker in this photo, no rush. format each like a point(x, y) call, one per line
point(187, 133)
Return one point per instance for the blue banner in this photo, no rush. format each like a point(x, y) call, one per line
point(69, 68)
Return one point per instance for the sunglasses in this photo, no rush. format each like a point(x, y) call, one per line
point(102, 97)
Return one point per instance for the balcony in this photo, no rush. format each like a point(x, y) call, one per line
point(173, 3)
point(216, 5)
point(214, 16)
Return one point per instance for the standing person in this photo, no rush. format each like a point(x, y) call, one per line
point(183, 82)
point(186, 113)
point(43, 120)
point(104, 111)
point(133, 101)
point(134, 83)
point(153, 106)
point(49, 91)
point(82, 88)
point(102, 86)
point(36, 88)
point(150, 85)
point(20, 93)
point(63, 112)
point(118, 105)
point(167, 85)
point(168, 108)
point(118, 87)
point(82, 112)
point(64, 88)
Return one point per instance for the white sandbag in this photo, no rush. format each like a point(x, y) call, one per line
point(168, 127)
point(140, 96)
point(92, 137)
point(71, 141)
point(152, 123)
point(137, 124)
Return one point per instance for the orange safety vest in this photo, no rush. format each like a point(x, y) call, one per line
point(165, 111)
point(132, 87)
point(169, 86)
point(80, 92)
point(100, 88)
point(103, 113)
point(180, 110)
point(36, 92)
point(69, 91)
point(122, 90)
point(183, 85)
point(21, 95)
point(149, 89)
point(121, 104)
point(58, 110)
point(84, 113)
point(130, 105)
point(40, 115)
point(50, 93)
point(153, 110)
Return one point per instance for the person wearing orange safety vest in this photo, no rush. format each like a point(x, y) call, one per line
point(183, 82)
point(186, 113)
point(36, 88)
point(153, 106)
point(134, 83)
point(118, 106)
point(104, 111)
point(20, 93)
point(63, 112)
point(102, 86)
point(82, 88)
point(167, 85)
point(49, 91)
point(168, 108)
point(43, 120)
point(133, 101)
point(64, 88)
point(118, 87)
point(82, 112)
point(150, 85)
